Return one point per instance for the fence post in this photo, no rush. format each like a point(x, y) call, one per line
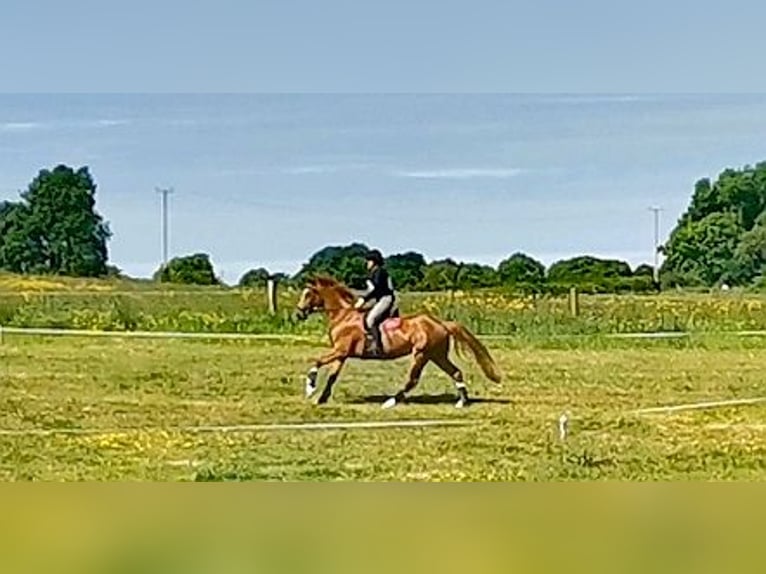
point(271, 293)
point(574, 302)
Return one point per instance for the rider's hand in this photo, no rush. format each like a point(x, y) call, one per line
point(359, 303)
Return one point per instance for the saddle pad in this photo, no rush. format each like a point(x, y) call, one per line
point(392, 324)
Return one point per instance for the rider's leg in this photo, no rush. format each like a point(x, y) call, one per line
point(375, 317)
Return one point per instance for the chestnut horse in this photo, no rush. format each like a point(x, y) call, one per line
point(424, 337)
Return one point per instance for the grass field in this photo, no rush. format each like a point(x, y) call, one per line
point(138, 394)
point(145, 306)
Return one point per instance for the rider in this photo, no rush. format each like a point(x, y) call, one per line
point(381, 290)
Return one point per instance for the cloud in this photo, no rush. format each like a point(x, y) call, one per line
point(107, 123)
point(312, 169)
point(462, 173)
point(316, 169)
point(324, 168)
point(20, 126)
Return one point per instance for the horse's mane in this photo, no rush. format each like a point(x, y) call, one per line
point(330, 283)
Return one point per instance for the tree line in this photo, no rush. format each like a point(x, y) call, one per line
point(54, 228)
point(410, 271)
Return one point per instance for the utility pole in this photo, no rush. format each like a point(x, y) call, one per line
point(656, 211)
point(165, 192)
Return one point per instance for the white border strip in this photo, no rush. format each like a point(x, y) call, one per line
point(247, 428)
point(699, 406)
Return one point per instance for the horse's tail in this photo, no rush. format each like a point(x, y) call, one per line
point(464, 338)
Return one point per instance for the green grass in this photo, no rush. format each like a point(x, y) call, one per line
point(151, 386)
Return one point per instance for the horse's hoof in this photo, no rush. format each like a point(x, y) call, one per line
point(460, 404)
point(389, 404)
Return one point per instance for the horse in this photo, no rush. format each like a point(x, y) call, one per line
point(422, 336)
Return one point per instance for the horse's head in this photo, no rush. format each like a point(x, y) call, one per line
point(324, 293)
point(311, 301)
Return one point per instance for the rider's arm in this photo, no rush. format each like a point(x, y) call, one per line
point(372, 286)
point(376, 286)
point(366, 295)
point(369, 291)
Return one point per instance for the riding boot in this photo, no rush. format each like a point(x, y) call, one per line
point(373, 336)
point(378, 341)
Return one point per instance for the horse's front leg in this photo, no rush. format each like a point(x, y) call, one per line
point(311, 381)
point(311, 377)
point(335, 369)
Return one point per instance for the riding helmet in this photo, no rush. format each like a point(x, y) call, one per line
point(375, 256)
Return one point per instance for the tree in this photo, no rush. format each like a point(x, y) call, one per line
point(440, 275)
point(718, 237)
point(16, 248)
point(589, 271)
point(742, 192)
point(406, 269)
point(255, 278)
point(55, 228)
point(345, 263)
point(750, 256)
point(114, 272)
point(521, 270)
point(644, 270)
point(476, 276)
point(189, 270)
point(702, 252)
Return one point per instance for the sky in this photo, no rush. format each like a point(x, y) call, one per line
point(268, 179)
point(470, 130)
point(397, 45)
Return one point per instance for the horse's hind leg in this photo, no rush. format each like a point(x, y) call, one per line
point(419, 361)
point(443, 362)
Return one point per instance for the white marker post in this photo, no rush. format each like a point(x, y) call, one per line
point(563, 427)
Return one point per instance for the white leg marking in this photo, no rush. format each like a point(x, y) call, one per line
point(311, 382)
point(461, 391)
point(390, 403)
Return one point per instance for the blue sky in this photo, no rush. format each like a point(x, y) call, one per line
point(269, 179)
point(293, 45)
point(568, 163)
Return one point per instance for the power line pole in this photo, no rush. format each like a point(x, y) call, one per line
point(656, 211)
point(165, 192)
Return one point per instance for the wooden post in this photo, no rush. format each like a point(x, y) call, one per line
point(574, 302)
point(271, 293)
